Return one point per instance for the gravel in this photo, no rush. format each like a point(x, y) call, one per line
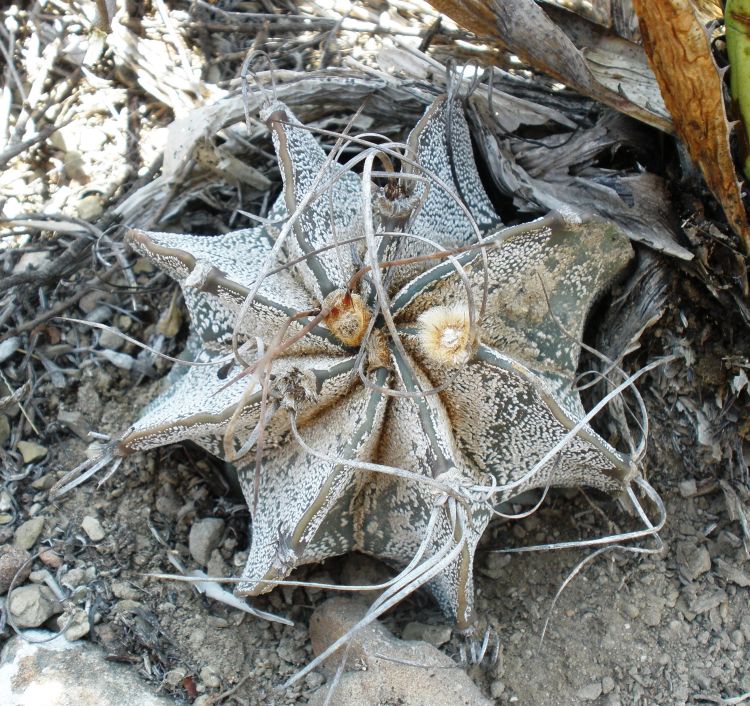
point(32, 605)
point(205, 536)
point(27, 534)
point(93, 528)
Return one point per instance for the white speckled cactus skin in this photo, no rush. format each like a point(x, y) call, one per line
point(399, 446)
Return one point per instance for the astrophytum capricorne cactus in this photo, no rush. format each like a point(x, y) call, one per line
point(381, 360)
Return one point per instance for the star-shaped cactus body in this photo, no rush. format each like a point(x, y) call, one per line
point(405, 363)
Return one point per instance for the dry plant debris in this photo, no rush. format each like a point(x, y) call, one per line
point(136, 117)
point(664, 75)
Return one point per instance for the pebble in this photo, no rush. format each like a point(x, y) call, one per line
point(174, 677)
point(440, 682)
point(73, 578)
point(143, 266)
point(688, 488)
point(109, 339)
point(497, 689)
point(205, 536)
point(44, 482)
point(6, 501)
point(4, 429)
point(32, 262)
point(90, 207)
point(707, 600)
point(59, 672)
point(75, 624)
point(314, 680)
point(732, 573)
point(608, 684)
point(93, 528)
point(12, 559)
point(210, 678)
point(76, 422)
point(495, 565)
point(32, 605)
point(50, 558)
point(31, 451)
point(124, 590)
point(119, 360)
point(745, 626)
point(434, 634)
point(692, 560)
point(27, 534)
point(8, 347)
point(590, 692)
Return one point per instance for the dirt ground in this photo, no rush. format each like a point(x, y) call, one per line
point(671, 627)
point(668, 628)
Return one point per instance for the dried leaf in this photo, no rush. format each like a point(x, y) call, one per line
point(603, 66)
point(679, 50)
point(738, 52)
point(555, 176)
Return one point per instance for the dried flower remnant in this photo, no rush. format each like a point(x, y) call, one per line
point(404, 362)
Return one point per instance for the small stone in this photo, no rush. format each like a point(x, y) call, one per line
point(13, 560)
point(210, 678)
point(495, 565)
point(4, 429)
point(692, 561)
point(88, 302)
point(143, 266)
point(27, 534)
point(732, 573)
point(738, 638)
point(608, 684)
point(433, 634)
point(9, 347)
point(745, 626)
point(31, 451)
point(109, 339)
point(93, 528)
point(385, 671)
point(32, 262)
point(688, 488)
point(44, 482)
point(119, 360)
point(6, 501)
point(73, 578)
point(123, 590)
point(50, 558)
point(707, 600)
point(32, 605)
point(40, 576)
point(76, 422)
point(174, 677)
point(497, 689)
point(74, 623)
point(205, 536)
point(58, 672)
point(590, 692)
point(90, 207)
point(314, 680)
point(216, 565)
point(127, 606)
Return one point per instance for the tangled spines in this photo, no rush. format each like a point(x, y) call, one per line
point(382, 360)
